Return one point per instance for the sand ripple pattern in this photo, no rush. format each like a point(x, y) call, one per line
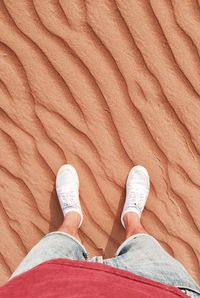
point(102, 85)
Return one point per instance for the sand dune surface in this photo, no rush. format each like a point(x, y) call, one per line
point(102, 85)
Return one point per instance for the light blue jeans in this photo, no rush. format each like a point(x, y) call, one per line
point(140, 254)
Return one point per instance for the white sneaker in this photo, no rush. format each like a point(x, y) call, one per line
point(67, 188)
point(137, 190)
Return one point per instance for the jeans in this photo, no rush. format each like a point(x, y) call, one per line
point(140, 254)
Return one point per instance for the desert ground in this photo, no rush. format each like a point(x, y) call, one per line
point(103, 85)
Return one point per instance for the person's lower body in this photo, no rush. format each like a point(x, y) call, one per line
point(140, 254)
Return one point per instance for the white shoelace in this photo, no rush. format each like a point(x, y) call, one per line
point(69, 199)
point(136, 199)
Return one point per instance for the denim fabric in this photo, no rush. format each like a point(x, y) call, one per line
point(140, 254)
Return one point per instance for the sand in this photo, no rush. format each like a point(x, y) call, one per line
point(102, 85)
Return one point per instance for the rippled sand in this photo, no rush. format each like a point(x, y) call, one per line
point(103, 85)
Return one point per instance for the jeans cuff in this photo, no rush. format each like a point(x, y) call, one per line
point(129, 239)
point(86, 255)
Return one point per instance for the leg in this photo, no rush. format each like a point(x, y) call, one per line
point(64, 243)
point(70, 224)
point(52, 246)
point(142, 254)
point(67, 187)
point(133, 224)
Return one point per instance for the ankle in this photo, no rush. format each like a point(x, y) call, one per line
point(72, 221)
point(133, 224)
point(73, 233)
point(131, 220)
point(135, 230)
point(68, 229)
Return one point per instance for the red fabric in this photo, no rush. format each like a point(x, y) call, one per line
point(62, 278)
